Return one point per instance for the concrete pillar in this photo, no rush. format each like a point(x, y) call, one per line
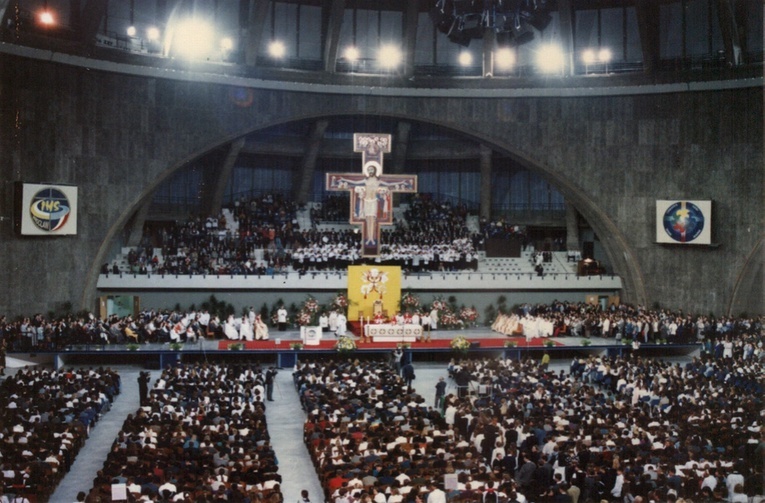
point(566, 13)
point(485, 182)
point(308, 164)
point(729, 31)
point(647, 13)
point(136, 224)
point(489, 46)
point(255, 29)
point(216, 200)
point(400, 147)
point(411, 17)
point(572, 228)
point(334, 24)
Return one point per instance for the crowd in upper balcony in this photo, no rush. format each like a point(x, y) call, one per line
point(265, 239)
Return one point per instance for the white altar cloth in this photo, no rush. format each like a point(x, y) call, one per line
point(393, 333)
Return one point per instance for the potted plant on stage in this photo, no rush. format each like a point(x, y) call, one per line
point(549, 343)
point(469, 315)
point(236, 346)
point(345, 345)
point(132, 347)
point(511, 344)
point(296, 346)
point(175, 346)
point(585, 342)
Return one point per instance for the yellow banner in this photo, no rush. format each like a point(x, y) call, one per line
point(372, 288)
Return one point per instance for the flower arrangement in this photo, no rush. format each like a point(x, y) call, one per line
point(469, 314)
point(236, 346)
point(439, 305)
point(340, 302)
point(345, 345)
point(175, 346)
point(585, 342)
point(448, 319)
point(132, 347)
point(296, 346)
point(308, 313)
point(403, 345)
point(409, 300)
point(511, 344)
point(549, 343)
point(460, 343)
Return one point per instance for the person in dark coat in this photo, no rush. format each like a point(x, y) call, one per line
point(407, 372)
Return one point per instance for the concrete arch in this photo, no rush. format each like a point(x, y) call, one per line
point(117, 134)
point(616, 247)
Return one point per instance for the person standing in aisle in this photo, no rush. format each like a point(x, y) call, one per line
point(270, 376)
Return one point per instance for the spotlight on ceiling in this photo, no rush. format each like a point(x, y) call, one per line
point(226, 43)
point(193, 39)
point(152, 33)
point(46, 18)
point(588, 57)
point(505, 58)
point(131, 31)
point(465, 58)
point(389, 56)
point(604, 55)
point(277, 49)
point(351, 54)
point(550, 58)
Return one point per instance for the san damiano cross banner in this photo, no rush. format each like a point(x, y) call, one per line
point(372, 288)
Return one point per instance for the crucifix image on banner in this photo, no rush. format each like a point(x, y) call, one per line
point(371, 191)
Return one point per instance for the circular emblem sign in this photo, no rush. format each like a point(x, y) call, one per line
point(683, 221)
point(49, 209)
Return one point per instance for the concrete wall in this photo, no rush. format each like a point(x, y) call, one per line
point(117, 136)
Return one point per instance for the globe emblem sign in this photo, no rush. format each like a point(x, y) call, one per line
point(683, 221)
point(49, 209)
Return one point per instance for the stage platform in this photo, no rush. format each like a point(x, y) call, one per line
point(278, 351)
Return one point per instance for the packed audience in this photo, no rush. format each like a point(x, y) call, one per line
point(45, 417)
point(612, 429)
point(720, 336)
point(266, 239)
point(625, 322)
point(201, 436)
point(334, 209)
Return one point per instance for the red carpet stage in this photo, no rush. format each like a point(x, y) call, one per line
point(442, 343)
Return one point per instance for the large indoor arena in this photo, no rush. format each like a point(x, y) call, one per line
point(388, 251)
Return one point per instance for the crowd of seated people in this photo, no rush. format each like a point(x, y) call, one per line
point(362, 422)
point(612, 429)
point(334, 208)
point(501, 229)
point(202, 436)
point(624, 322)
point(721, 336)
point(620, 428)
point(434, 237)
point(45, 416)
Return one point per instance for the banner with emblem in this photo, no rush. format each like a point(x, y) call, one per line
point(371, 286)
point(684, 222)
point(45, 210)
